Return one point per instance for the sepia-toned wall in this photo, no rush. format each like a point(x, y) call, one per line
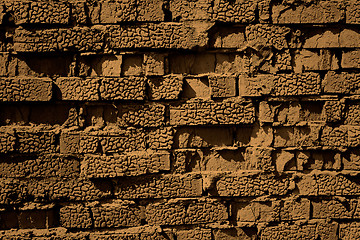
point(180, 119)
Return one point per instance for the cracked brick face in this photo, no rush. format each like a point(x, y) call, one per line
point(179, 119)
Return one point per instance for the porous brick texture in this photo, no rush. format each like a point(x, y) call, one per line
point(180, 119)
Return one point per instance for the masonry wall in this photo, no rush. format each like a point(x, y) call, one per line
point(180, 119)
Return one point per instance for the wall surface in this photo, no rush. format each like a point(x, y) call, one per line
point(180, 119)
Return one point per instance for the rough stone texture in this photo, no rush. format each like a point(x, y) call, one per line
point(179, 119)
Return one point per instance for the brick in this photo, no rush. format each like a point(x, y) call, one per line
point(235, 11)
point(77, 189)
point(162, 35)
point(49, 13)
point(166, 87)
point(190, 10)
point(352, 12)
point(117, 11)
point(229, 38)
point(255, 212)
point(132, 164)
point(252, 185)
point(333, 209)
point(149, 115)
point(12, 191)
point(122, 88)
point(75, 216)
point(150, 11)
point(229, 64)
point(230, 111)
point(254, 136)
point(165, 186)
point(319, 12)
point(196, 234)
point(351, 161)
point(331, 38)
point(116, 214)
point(350, 59)
point(280, 85)
point(342, 83)
point(196, 88)
point(327, 184)
point(203, 137)
point(64, 39)
point(245, 233)
point(7, 140)
point(69, 142)
point(178, 212)
point(44, 217)
point(295, 209)
point(308, 136)
point(259, 158)
point(307, 60)
point(19, 10)
point(284, 231)
point(349, 231)
point(78, 89)
point(58, 233)
point(215, 160)
point(32, 140)
point(267, 35)
point(135, 233)
point(194, 64)
point(334, 136)
point(53, 165)
point(334, 110)
point(154, 64)
point(160, 138)
point(25, 89)
point(112, 142)
point(222, 86)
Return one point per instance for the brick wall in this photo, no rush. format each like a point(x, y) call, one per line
point(180, 119)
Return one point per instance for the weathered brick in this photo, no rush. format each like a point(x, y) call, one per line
point(11, 191)
point(69, 142)
point(147, 115)
point(307, 60)
point(132, 164)
point(78, 89)
point(162, 35)
point(112, 142)
point(32, 140)
point(116, 214)
point(245, 233)
point(331, 38)
point(295, 209)
point(196, 234)
point(342, 83)
point(124, 88)
point(280, 85)
point(49, 165)
point(160, 138)
point(334, 136)
point(234, 11)
point(25, 89)
point(190, 10)
point(75, 216)
point(64, 39)
point(222, 86)
point(333, 209)
point(150, 10)
point(352, 12)
point(267, 35)
point(255, 212)
point(117, 11)
point(77, 189)
point(252, 185)
point(327, 184)
point(317, 12)
point(154, 64)
point(350, 59)
point(49, 13)
point(203, 137)
point(230, 111)
point(165, 186)
point(178, 212)
point(166, 87)
point(349, 231)
point(7, 140)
